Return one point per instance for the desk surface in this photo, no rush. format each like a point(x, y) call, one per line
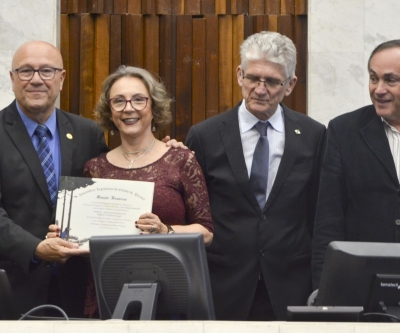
point(193, 327)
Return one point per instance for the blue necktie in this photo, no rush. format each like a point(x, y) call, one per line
point(260, 165)
point(46, 160)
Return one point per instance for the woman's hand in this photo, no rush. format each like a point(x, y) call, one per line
point(54, 231)
point(149, 223)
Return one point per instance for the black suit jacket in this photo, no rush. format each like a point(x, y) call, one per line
point(359, 196)
point(26, 210)
point(277, 240)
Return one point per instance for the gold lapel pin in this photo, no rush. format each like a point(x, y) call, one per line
point(297, 131)
point(69, 136)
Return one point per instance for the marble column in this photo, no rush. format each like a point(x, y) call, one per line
point(22, 21)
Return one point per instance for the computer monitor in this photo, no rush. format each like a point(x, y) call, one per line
point(361, 274)
point(152, 277)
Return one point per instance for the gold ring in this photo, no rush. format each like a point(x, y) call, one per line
point(152, 229)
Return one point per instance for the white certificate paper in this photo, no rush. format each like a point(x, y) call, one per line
point(99, 207)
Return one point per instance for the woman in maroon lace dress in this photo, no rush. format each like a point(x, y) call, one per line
point(135, 105)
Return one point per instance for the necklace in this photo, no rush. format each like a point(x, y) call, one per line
point(137, 151)
point(144, 150)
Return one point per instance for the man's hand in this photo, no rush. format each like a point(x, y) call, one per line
point(173, 143)
point(58, 250)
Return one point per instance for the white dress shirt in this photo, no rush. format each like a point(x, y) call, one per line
point(393, 136)
point(276, 138)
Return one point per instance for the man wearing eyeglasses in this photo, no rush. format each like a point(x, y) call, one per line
point(38, 144)
point(359, 196)
point(261, 162)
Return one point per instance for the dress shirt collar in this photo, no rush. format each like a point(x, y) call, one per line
point(385, 122)
point(247, 120)
point(31, 125)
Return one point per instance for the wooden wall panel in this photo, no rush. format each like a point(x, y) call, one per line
point(132, 40)
point(208, 7)
point(212, 63)
point(193, 45)
point(256, 7)
point(238, 37)
point(152, 43)
point(86, 66)
point(64, 43)
point(101, 53)
point(300, 40)
point(134, 7)
point(273, 7)
point(95, 6)
point(192, 7)
point(74, 63)
point(183, 76)
point(287, 7)
point(301, 7)
point(239, 7)
point(199, 71)
point(168, 63)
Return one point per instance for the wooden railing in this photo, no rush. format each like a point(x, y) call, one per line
point(193, 45)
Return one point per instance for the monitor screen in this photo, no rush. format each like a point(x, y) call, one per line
point(353, 272)
point(176, 263)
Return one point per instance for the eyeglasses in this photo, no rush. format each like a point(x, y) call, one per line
point(138, 103)
point(45, 73)
point(254, 81)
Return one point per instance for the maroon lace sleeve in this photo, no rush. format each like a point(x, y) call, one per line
point(195, 194)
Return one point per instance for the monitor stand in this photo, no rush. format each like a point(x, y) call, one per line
point(137, 299)
point(391, 310)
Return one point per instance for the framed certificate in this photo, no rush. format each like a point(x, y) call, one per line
point(98, 207)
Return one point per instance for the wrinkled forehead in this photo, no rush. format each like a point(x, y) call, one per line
point(37, 54)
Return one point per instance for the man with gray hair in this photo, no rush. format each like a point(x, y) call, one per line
point(261, 162)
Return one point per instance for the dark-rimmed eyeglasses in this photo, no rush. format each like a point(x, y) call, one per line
point(119, 104)
point(45, 73)
point(254, 81)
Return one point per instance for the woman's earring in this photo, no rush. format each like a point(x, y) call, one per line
point(112, 132)
point(153, 129)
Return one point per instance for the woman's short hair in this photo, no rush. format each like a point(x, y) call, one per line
point(161, 102)
point(271, 46)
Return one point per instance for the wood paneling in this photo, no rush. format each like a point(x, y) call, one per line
point(192, 45)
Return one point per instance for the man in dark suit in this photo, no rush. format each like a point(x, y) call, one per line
point(26, 209)
point(359, 197)
point(260, 257)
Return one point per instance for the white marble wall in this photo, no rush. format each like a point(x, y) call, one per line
point(22, 21)
point(341, 36)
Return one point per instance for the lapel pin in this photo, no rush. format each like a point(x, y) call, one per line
point(297, 131)
point(69, 136)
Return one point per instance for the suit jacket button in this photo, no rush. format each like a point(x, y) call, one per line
point(263, 217)
point(397, 221)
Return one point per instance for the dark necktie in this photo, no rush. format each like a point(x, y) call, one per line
point(260, 165)
point(46, 160)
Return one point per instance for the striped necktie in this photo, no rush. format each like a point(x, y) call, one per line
point(46, 160)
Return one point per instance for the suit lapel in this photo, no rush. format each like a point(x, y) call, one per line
point(66, 142)
point(230, 136)
point(375, 137)
point(292, 143)
point(16, 129)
